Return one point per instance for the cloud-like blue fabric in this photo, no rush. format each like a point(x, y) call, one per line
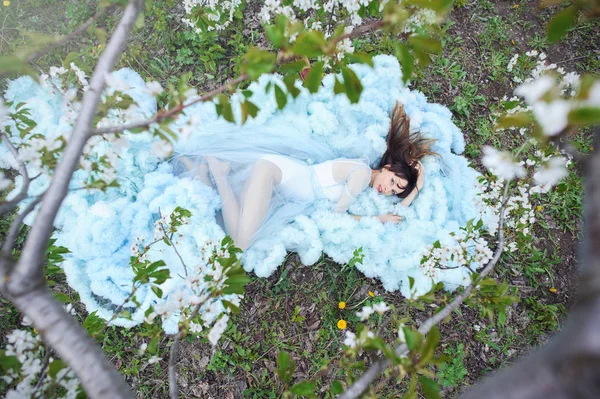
point(100, 228)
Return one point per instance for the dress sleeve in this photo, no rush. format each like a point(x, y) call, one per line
point(356, 181)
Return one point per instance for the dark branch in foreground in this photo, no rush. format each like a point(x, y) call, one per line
point(24, 283)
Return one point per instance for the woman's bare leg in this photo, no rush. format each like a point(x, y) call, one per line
point(255, 202)
point(201, 170)
point(230, 208)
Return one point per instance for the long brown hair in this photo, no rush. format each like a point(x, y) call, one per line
point(404, 149)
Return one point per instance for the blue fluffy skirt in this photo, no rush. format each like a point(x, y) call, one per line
point(100, 228)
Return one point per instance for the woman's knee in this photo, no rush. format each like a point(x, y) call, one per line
point(267, 170)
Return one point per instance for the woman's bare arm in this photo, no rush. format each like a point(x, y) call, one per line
point(408, 200)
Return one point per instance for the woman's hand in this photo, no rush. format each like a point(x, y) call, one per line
point(390, 218)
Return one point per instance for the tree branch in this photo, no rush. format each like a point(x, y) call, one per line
point(68, 37)
point(30, 265)
point(172, 112)
point(173, 388)
point(360, 385)
point(25, 285)
point(15, 227)
point(10, 205)
point(71, 342)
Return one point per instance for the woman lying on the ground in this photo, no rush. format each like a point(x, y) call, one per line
point(339, 180)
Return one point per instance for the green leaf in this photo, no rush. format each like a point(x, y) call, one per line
point(224, 108)
point(258, 62)
point(231, 306)
point(275, 35)
point(360, 58)
point(352, 85)
point(62, 297)
point(55, 367)
point(338, 87)
point(517, 120)
point(433, 338)
point(561, 23)
point(336, 387)
point(585, 116)
point(94, 324)
point(283, 362)
point(429, 387)
point(407, 62)
point(425, 44)
point(9, 64)
point(304, 388)
point(9, 362)
point(310, 44)
point(290, 81)
point(411, 282)
point(293, 67)
point(157, 291)
point(413, 338)
point(252, 109)
point(436, 5)
point(280, 97)
point(313, 79)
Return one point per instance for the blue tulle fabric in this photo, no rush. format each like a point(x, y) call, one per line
point(99, 228)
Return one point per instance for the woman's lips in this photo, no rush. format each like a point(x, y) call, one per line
point(379, 188)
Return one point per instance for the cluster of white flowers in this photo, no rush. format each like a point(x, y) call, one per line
point(203, 280)
point(467, 249)
point(550, 91)
point(544, 171)
point(421, 17)
point(352, 341)
point(220, 12)
point(367, 311)
point(501, 163)
point(27, 348)
point(512, 63)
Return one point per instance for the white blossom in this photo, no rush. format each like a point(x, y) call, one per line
point(217, 330)
point(381, 307)
point(365, 313)
point(551, 173)
point(532, 91)
point(501, 163)
point(154, 88)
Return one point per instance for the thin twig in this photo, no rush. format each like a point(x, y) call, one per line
point(173, 388)
point(42, 374)
point(360, 385)
point(174, 247)
point(172, 112)
point(10, 205)
point(68, 37)
point(15, 227)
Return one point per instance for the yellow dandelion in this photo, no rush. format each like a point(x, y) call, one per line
point(342, 305)
point(99, 46)
point(553, 290)
point(341, 324)
point(539, 208)
point(512, 41)
point(371, 294)
point(516, 6)
point(591, 148)
point(6, 3)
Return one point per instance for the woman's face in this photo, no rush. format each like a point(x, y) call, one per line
point(387, 183)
